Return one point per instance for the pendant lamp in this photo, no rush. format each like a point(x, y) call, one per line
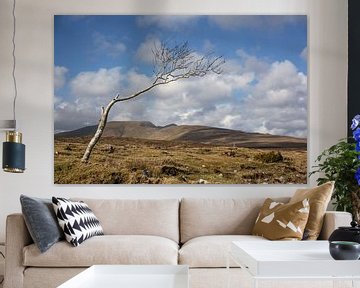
point(13, 149)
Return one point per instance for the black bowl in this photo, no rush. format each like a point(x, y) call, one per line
point(344, 250)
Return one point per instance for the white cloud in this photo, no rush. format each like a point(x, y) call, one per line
point(277, 104)
point(73, 115)
point(136, 81)
point(93, 84)
point(208, 46)
point(60, 76)
point(304, 54)
point(57, 100)
point(251, 94)
point(253, 64)
point(90, 91)
point(145, 50)
point(276, 101)
point(198, 101)
point(282, 75)
point(108, 46)
point(207, 88)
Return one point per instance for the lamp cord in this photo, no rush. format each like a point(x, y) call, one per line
point(14, 61)
point(2, 280)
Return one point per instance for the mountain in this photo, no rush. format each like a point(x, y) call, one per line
point(189, 133)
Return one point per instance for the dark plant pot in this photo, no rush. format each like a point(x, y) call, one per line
point(343, 250)
point(351, 233)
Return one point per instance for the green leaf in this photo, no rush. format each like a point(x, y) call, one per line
point(338, 163)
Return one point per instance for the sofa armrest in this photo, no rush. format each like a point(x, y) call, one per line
point(17, 237)
point(333, 220)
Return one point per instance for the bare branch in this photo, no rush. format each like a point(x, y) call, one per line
point(170, 64)
point(179, 62)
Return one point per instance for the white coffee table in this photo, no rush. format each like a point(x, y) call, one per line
point(131, 276)
point(292, 260)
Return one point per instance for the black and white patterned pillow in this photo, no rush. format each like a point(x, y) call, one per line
point(77, 220)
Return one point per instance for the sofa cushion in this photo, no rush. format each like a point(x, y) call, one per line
point(158, 217)
point(279, 221)
point(201, 217)
point(76, 220)
point(107, 249)
point(211, 251)
point(35, 277)
point(319, 198)
point(41, 221)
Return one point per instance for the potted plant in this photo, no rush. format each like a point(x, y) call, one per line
point(341, 163)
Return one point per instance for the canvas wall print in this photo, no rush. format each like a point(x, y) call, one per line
point(200, 99)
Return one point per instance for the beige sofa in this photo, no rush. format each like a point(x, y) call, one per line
point(194, 232)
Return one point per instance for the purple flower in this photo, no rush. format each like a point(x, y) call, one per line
point(355, 122)
point(357, 176)
point(356, 134)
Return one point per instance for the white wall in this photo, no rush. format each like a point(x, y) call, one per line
point(327, 85)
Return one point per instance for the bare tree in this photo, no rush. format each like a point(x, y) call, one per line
point(169, 64)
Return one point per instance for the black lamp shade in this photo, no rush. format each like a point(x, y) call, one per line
point(13, 157)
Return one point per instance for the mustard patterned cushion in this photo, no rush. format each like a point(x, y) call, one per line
point(279, 221)
point(319, 198)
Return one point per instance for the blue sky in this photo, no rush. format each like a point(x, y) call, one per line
point(263, 87)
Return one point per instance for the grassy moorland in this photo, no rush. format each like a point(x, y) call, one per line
point(137, 161)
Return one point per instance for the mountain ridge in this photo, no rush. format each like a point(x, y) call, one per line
point(189, 133)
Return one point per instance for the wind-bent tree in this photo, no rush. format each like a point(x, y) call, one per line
point(170, 64)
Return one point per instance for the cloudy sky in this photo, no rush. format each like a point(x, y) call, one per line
point(263, 87)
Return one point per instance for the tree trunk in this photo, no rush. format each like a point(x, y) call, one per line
point(355, 201)
point(103, 120)
point(99, 131)
point(170, 64)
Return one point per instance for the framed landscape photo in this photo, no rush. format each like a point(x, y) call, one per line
point(185, 99)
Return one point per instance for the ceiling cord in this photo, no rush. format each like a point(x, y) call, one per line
point(2, 280)
point(14, 61)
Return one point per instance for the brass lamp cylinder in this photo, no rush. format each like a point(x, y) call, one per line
point(13, 136)
point(13, 153)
